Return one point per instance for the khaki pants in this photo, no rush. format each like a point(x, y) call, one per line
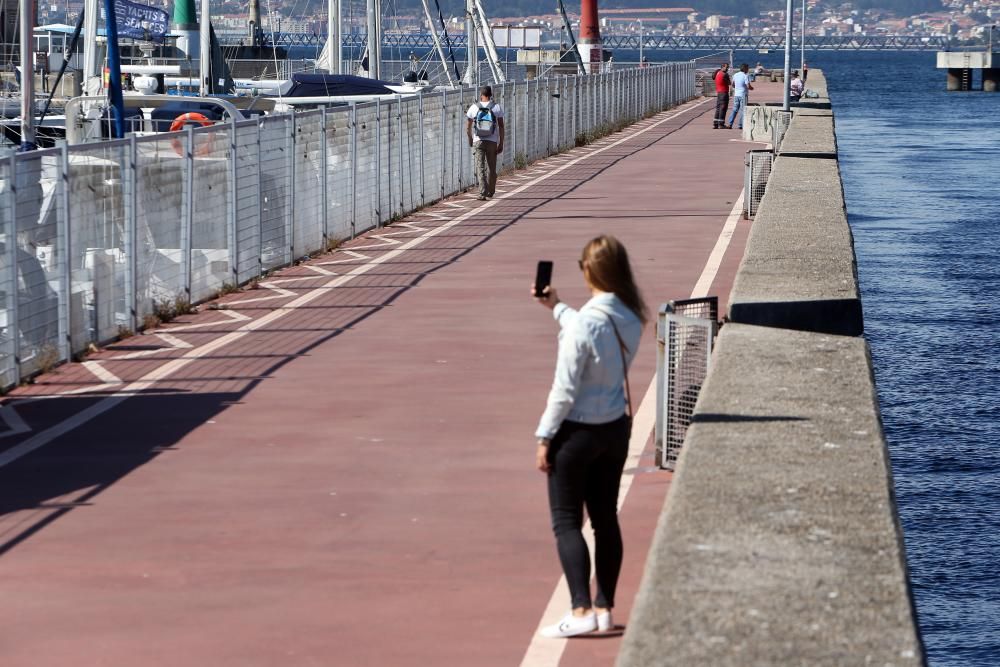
point(485, 153)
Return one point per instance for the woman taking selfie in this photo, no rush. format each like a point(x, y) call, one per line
point(583, 434)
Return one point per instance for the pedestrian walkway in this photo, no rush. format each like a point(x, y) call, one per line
point(336, 467)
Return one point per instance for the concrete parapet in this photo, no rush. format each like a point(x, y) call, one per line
point(798, 271)
point(810, 135)
point(779, 543)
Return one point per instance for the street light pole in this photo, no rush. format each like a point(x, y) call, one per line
point(802, 65)
point(788, 55)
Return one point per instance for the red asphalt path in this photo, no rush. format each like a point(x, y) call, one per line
point(336, 468)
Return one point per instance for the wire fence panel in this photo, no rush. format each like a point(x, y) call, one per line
point(103, 235)
point(338, 175)
point(9, 282)
point(210, 261)
point(685, 335)
point(307, 183)
point(275, 191)
point(38, 223)
point(248, 201)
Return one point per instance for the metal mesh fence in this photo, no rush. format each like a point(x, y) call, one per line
point(757, 169)
point(779, 126)
point(97, 237)
point(685, 335)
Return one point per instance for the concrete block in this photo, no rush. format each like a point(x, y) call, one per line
point(798, 270)
point(810, 135)
point(779, 543)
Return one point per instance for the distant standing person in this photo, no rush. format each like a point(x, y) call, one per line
point(805, 72)
point(741, 86)
point(583, 436)
point(484, 127)
point(722, 83)
point(795, 88)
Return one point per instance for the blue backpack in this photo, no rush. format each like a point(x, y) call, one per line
point(485, 121)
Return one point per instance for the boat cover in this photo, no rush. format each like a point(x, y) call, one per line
point(335, 85)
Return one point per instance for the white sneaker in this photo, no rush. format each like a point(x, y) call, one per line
point(571, 625)
point(604, 622)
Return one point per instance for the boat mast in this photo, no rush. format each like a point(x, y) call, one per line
point(333, 40)
point(27, 76)
point(205, 51)
point(437, 42)
point(491, 48)
point(254, 29)
point(374, 39)
point(90, 67)
point(471, 77)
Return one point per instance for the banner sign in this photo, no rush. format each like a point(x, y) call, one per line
point(141, 21)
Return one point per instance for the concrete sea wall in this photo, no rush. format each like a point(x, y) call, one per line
point(779, 542)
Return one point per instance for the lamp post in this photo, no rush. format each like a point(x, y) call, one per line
point(802, 65)
point(788, 55)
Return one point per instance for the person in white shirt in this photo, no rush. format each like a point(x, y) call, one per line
point(741, 86)
point(485, 129)
point(795, 88)
point(583, 435)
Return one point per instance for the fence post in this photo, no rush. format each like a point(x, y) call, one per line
point(13, 323)
point(65, 257)
point(354, 168)
point(388, 157)
point(399, 126)
point(131, 297)
point(444, 137)
point(260, 213)
point(420, 111)
point(290, 197)
point(187, 210)
point(231, 222)
point(323, 196)
point(378, 164)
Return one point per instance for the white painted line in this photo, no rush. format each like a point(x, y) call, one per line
point(279, 293)
point(102, 373)
point(719, 251)
point(174, 365)
point(173, 341)
point(315, 269)
point(15, 425)
point(231, 314)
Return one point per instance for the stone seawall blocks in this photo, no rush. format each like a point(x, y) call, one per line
point(778, 544)
point(798, 271)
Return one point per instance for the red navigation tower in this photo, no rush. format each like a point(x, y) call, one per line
point(590, 36)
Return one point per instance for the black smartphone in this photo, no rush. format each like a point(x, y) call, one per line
point(543, 277)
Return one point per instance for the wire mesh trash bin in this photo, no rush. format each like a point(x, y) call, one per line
point(757, 170)
point(685, 334)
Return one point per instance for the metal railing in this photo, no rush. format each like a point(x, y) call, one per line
point(97, 238)
point(685, 335)
point(757, 169)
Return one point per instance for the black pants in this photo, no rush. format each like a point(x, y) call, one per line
point(587, 462)
point(721, 106)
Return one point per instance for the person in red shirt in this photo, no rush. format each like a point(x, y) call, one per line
point(722, 84)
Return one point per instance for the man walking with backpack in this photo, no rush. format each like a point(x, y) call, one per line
point(485, 130)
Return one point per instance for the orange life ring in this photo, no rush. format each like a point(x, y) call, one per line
point(205, 147)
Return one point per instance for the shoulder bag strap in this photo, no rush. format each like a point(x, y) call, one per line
point(621, 349)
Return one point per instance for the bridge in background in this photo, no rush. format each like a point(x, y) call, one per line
point(665, 42)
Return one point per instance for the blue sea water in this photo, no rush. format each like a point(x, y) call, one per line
point(921, 174)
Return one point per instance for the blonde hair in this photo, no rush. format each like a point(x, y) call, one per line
point(606, 266)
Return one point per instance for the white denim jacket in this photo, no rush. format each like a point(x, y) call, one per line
point(588, 382)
